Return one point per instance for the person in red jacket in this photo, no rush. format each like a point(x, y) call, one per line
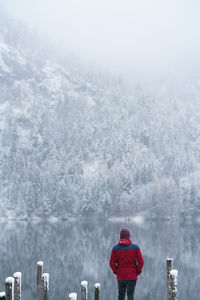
point(126, 262)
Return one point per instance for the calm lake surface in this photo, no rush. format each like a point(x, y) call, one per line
point(76, 251)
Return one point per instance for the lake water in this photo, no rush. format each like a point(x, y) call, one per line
point(76, 251)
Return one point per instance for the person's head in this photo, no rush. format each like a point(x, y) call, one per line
point(124, 233)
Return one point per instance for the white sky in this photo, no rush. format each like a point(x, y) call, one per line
point(140, 36)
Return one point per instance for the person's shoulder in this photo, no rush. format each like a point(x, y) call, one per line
point(134, 246)
point(116, 247)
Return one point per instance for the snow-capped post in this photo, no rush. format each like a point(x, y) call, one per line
point(9, 286)
point(39, 280)
point(73, 296)
point(3, 296)
point(84, 290)
point(45, 284)
point(17, 285)
point(97, 291)
point(174, 284)
point(169, 268)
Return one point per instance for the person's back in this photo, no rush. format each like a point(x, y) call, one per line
point(126, 262)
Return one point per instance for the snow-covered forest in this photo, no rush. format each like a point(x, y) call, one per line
point(76, 143)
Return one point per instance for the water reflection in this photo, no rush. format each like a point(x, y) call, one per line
point(78, 251)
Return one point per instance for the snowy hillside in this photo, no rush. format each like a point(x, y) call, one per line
point(71, 146)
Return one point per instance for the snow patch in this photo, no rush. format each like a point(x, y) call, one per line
point(40, 263)
point(174, 273)
point(9, 280)
point(84, 284)
point(72, 296)
point(91, 169)
point(53, 219)
point(45, 277)
point(97, 286)
point(18, 276)
point(137, 220)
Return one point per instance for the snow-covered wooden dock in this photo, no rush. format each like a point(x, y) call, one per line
point(13, 287)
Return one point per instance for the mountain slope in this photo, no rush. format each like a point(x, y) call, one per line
point(74, 146)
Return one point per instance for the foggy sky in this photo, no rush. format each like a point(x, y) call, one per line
point(145, 37)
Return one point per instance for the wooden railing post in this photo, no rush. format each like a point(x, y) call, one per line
point(3, 296)
point(84, 290)
point(174, 284)
point(73, 296)
point(39, 280)
point(169, 268)
point(45, 284)
point(9, 287)
point(17, 285)
point(97, 291)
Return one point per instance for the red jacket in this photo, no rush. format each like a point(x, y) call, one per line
point(126, 260)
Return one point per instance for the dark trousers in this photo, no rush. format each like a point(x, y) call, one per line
point(126, 285)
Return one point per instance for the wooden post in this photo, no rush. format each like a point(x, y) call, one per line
point(73, 296)
point(45, 285)
point(39, 280)
point(3, 296)
point(9, 286)
point(84, 290)
point(174, 284)
point(97, 291)
point(169, 268)
point(17, 285)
